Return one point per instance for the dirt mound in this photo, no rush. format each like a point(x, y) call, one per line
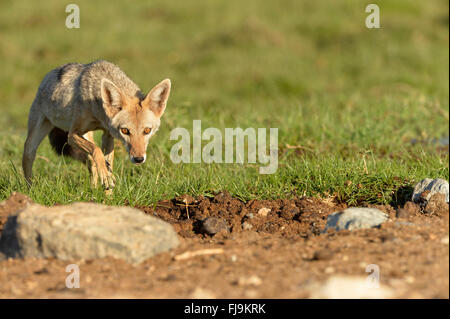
point(292, 218)
point(222, 214)
point(258, 249)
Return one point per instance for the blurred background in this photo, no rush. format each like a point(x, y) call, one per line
point(335, 89)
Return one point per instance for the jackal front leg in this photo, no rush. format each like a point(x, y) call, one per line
point(96, 158)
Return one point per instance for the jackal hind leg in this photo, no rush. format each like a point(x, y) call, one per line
point(38, 129)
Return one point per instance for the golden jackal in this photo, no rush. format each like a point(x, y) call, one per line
point(76, 99)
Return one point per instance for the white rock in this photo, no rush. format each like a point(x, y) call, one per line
point(345, 287)
point(356, 218)
point(437, 185)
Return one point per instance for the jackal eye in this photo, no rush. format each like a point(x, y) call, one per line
point(125, 131)
point(147, 130)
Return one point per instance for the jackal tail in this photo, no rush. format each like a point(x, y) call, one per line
point(58, 140)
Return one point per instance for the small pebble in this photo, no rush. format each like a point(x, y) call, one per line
point(264, 211)
point(246, 226)
point(249, 281)
point(289, 212)
point(213, 225)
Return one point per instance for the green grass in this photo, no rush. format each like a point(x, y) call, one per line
point(352, 98)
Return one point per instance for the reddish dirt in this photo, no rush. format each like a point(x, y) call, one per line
point(276, 253)
point(15, 202)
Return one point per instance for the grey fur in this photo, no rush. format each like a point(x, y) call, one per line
point(76, 83)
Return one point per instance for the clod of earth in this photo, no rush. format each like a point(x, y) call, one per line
point(214, 225)
point(409, 209)
point(86, 231)
point(356, 218)
point(222, 215)
point(15, 202)
point(428, 187)
point(437, 205)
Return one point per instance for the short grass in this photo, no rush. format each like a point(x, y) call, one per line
point(349, 98)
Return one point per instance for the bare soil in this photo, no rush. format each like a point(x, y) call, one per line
point(261, 249)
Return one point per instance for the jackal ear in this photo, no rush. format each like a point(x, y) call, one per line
point(111, 95)
point(156, 99)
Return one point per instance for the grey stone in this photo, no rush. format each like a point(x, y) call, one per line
point(433, 186)
point(214, 225)
point(356, 218)
point(86, 231)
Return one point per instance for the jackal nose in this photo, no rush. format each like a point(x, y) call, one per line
point(138, 160)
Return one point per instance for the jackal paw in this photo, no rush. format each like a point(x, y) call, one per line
point(107, 179)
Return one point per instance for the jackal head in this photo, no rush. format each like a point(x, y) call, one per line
point(133, 120)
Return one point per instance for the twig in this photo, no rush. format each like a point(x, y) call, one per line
point(44, 158)
point(190, 254)
point(298, 147)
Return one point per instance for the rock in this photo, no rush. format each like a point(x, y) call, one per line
point(436, 205)
point(344, 287)
point(213, 225)
point(264, 211)
point(86, 231)
point(428, 187)
point(356, 218)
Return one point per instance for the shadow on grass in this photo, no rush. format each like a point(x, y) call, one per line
point(401, 196)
